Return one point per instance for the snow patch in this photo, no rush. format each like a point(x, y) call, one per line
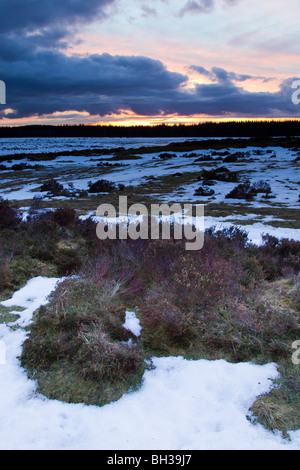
point(132, 323)
point(181, 404)
point(31, 297)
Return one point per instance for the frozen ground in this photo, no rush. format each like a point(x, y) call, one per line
point(52, 144)
point(277, 166)
point(255, 231)
point(181, 404)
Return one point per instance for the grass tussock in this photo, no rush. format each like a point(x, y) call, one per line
point(280, 408)
point(231, 300)
point(82, 327)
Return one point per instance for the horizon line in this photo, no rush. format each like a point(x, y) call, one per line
point(166, 124)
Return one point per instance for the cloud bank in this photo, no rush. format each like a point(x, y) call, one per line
point(44, 23)
point(30, 15)
point(45, 82)
point(42, 79)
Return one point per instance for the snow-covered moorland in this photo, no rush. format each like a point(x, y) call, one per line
point(182, 404)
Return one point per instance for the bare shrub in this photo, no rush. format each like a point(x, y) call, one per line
point(262, 186)
point(65, 216)
point(242, 191)
point(9, 217)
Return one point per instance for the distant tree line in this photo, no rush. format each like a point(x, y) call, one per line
point(207, 129)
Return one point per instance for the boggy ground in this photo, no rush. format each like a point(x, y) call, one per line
point(193, 171)
point(230, 300)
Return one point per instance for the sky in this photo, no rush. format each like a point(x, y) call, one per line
point(186, 404)
point(134, 62)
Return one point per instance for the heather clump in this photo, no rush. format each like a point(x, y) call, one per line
point(81, 331)
point(230, 299)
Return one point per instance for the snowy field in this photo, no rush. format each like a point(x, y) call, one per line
point(277, 166)
point(181, 405)
point(52, 144)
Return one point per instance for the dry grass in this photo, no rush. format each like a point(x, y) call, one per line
point(280, 409)
point(229, 300)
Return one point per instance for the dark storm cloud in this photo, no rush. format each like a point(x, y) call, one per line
point(48, 81)
point(46, 23)
point(222, 99)
point(45, 82)
point(227, 98)
point(30, 15)
point(42, 80)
